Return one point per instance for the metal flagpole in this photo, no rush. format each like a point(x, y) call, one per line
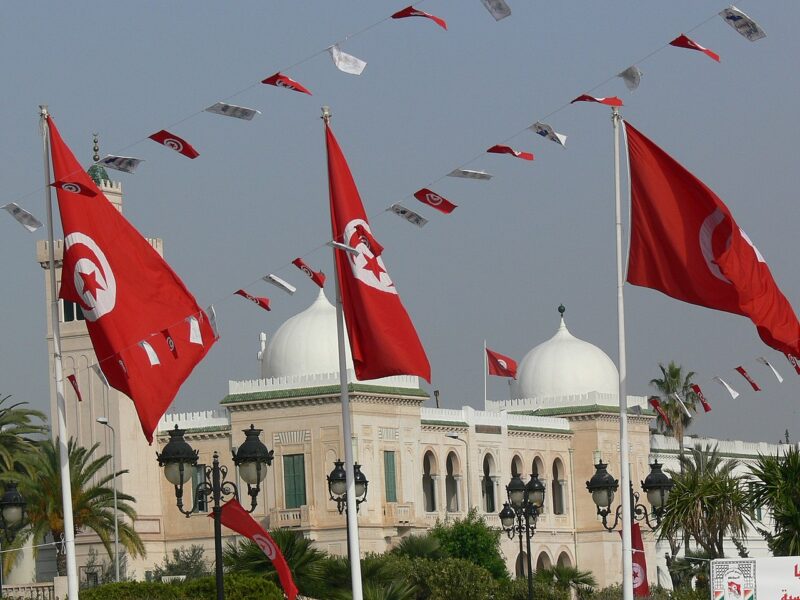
point(66, 488)
point(624, 462)
point(354, 551)
point(485, 368)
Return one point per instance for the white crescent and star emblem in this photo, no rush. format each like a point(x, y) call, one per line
point(366, 267)
point(638, 575)
point(266, 546)
point(707, 231)
point(71, 187)
point(433, 199)
point(176, 145)
point(502, 363)
point(94, 281)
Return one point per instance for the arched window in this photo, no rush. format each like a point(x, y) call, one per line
point(428, 481)
point(538, 468)
point(558, 485)
point(450, 483)
point(487, 485)
point(543, 562)
point(521, 565)
point(516, 467)
point(564, 560)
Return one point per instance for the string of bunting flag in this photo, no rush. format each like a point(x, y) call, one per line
point(350, 64)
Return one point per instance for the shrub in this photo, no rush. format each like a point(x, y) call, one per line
point(453, 579)
point(517, 589)
point(237, 587)
point(133, 590)
point(472, 539)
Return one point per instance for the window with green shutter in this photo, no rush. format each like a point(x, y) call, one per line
point(390, 476)
point(294, 480)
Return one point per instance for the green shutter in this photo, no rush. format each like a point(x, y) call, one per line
point(294, 480)
point(390, 476)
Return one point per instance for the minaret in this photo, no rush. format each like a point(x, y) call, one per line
point(132, 451)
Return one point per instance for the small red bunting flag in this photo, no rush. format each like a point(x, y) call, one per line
point(260, 300)
point(684, 42)
point(74, 188)
point(74, 382)
point(501, 149)
point(610, 101)
point(701, 397)
point(170, 342)
point(410, 11)
point(656, 404)
point(434, 200)
point(369, 240)
point(170, 140)
point(749, 379)
point(281, 80)
point(317, 277)
point(794, 362)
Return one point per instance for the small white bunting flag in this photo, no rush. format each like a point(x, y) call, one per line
point(499, 9)
point(734, 394)
point(743, 24)
point(278, 282)
point(470, 174)
point(23, 217)
point(346, 63)
point(409, 215)
point(231, 110)
point(126, 164)
point(682, 405)
point(544, 130)
point(632, 76)
point(96, 368)
point(195, 337)
point(766, 363)
point(212, 320)
point(151, 354)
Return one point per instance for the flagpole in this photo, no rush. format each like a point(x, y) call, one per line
point(354, 551)
point(624, 461)
point(66, 487)
point(485, 368)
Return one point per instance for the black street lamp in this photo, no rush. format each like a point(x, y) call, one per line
point(179, 460)
point(523, 506)
point(656, 486)
point(337, 485)
point(12, 512)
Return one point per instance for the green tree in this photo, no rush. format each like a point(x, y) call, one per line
point(303, 559)
point(92, 500)
point(564, 578)
point(674, 381)
point(189, 561)
point(776, 486)
point(472, 539)
point(708, 501)
point(424, 545)
point(19, 428)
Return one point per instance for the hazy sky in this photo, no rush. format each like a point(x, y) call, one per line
point(536, 235)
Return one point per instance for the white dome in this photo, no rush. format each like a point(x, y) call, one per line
point(306, 344)
point(565, 366)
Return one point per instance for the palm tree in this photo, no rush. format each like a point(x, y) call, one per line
point(564, 578)
point(776, 486)
point(17, 426)
point(673, 381)
point(422, 545)
point(92, 500)
point(303, 559)
point(708, 501)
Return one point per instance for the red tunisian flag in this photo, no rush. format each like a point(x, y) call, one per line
point(383, 340)
point(235, 517)
point(640, 585)
point(128, 294)
point(501, 365)
point(686, 244)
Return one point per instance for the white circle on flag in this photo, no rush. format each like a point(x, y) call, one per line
point(102, 299)
point(284, 84)
point(433, 199)
point(502, 363)
point(707, 230)
point(71, 187)
point(176, 145)
point(266, 546)
point(638, 575)
point(366, 267)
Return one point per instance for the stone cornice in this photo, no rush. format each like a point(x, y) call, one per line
point(519, 430)
point(592, 409)
point(447, 424)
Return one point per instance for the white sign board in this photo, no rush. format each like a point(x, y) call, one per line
point(774, 578)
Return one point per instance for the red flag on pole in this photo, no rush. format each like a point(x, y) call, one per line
point(281, 80)
point(74, 382)
point(501, 149)
point(434, 200)
point(610, 101)
point(170, 140)
point(383, 340)
point(127, 293)
point(234, 516)
point(701, 397)
point(684, 42)
point(640, 585)
point(656, 404)
point(259, 300)
point(501, 365)
point(410, 11)
point(741, 370)
point(686, 244)
point(317, 277)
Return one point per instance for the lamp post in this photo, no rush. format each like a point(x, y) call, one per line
point(656, 486)
point(454, 436)
point(520, 513)
point(12, 512)
point(104, 421)
point(179, 460)
point(337, 489)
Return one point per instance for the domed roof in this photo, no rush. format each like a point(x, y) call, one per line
point(306, 343)
point(565, 366)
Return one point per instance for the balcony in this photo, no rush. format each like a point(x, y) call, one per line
point(398, 515)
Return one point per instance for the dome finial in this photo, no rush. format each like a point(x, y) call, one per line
point(561, 310)
point(95, 147)
point(96, 171)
